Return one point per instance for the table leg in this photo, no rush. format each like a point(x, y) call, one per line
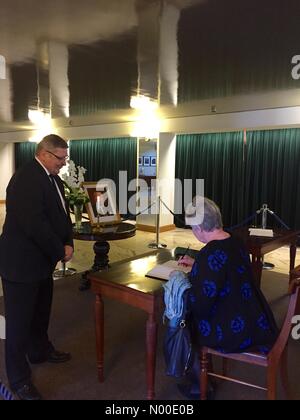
point(151, 341)
point(101, 260)
point(293, 249)
point(99, 323)
point(257, 269)
point(101, 250)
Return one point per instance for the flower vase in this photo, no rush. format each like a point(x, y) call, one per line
point(78, 210)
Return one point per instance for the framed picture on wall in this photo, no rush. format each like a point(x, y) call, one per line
point(102, 207)
point(140, 161)
point(147, 160)
point(153, 161)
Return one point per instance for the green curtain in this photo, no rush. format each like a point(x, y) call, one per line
point(240, 55)
point(102, 75)
point(104, 158)
point(272, 174)
point(218, 159)
point(24, 153)
point(242, 174)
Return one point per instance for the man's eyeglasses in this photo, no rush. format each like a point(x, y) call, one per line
point(60, 158)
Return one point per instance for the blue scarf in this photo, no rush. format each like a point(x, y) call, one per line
point(177, 284)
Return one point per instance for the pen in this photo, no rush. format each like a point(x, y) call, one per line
point(185, 253)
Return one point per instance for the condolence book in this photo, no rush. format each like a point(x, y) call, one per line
point(162, 271)
point(261, 232)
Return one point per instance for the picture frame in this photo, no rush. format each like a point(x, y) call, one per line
point(153, 161)
point(101, 197)
point(140, 161)
point(146, 161)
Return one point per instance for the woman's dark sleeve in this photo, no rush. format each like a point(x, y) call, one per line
point(206, 285)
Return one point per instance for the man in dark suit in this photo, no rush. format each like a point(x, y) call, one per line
point(37, 233)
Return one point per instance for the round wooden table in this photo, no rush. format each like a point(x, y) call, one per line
point(101, 247)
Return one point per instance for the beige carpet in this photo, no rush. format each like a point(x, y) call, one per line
point(72, 329)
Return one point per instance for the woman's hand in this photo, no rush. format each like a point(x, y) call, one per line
point(186, 261)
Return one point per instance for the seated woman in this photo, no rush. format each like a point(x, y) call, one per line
point(229, 313)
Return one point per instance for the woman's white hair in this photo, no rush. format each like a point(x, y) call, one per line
point(204, 213)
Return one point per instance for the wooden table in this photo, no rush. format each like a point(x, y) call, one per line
point(126, 282)
point(258, 246)
point(101, 246)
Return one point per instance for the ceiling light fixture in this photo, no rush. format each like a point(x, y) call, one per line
point(42, 122)
point(143, 103)
point(147, 124)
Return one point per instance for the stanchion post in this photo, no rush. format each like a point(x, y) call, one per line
point(264, 210)
point(63, 271)
point(157, 245)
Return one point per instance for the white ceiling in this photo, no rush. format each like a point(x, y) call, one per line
point(25, 23)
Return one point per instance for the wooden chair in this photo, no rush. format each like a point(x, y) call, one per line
point(276, 358)
point(294, 274)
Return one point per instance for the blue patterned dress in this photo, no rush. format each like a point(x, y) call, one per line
point(229, 312)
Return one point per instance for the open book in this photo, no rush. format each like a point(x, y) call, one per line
point(162, 271)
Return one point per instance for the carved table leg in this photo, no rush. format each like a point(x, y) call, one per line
point(101, 250)
point(293, 249)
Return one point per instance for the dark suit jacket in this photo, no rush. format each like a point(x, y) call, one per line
point(36, 227)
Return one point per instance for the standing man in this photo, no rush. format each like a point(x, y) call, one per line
point(37, 233)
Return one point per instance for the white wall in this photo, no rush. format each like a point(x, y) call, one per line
point(166, 175)
point(6, 167)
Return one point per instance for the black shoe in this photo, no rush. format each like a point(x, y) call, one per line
point(58, 357)
point(192, 392)
point(28, 392)
point(54, 356)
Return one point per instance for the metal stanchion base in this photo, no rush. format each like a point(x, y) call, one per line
point(268, 266)
point(59, 273)
point(157, 246)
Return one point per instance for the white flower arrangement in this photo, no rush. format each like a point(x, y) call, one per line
point(73, 185)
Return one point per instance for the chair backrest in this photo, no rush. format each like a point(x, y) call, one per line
point(293, 309)
point(2, 327)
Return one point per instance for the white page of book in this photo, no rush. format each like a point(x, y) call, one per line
point(162, 271)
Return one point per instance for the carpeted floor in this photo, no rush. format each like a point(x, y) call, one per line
point(72, 329)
